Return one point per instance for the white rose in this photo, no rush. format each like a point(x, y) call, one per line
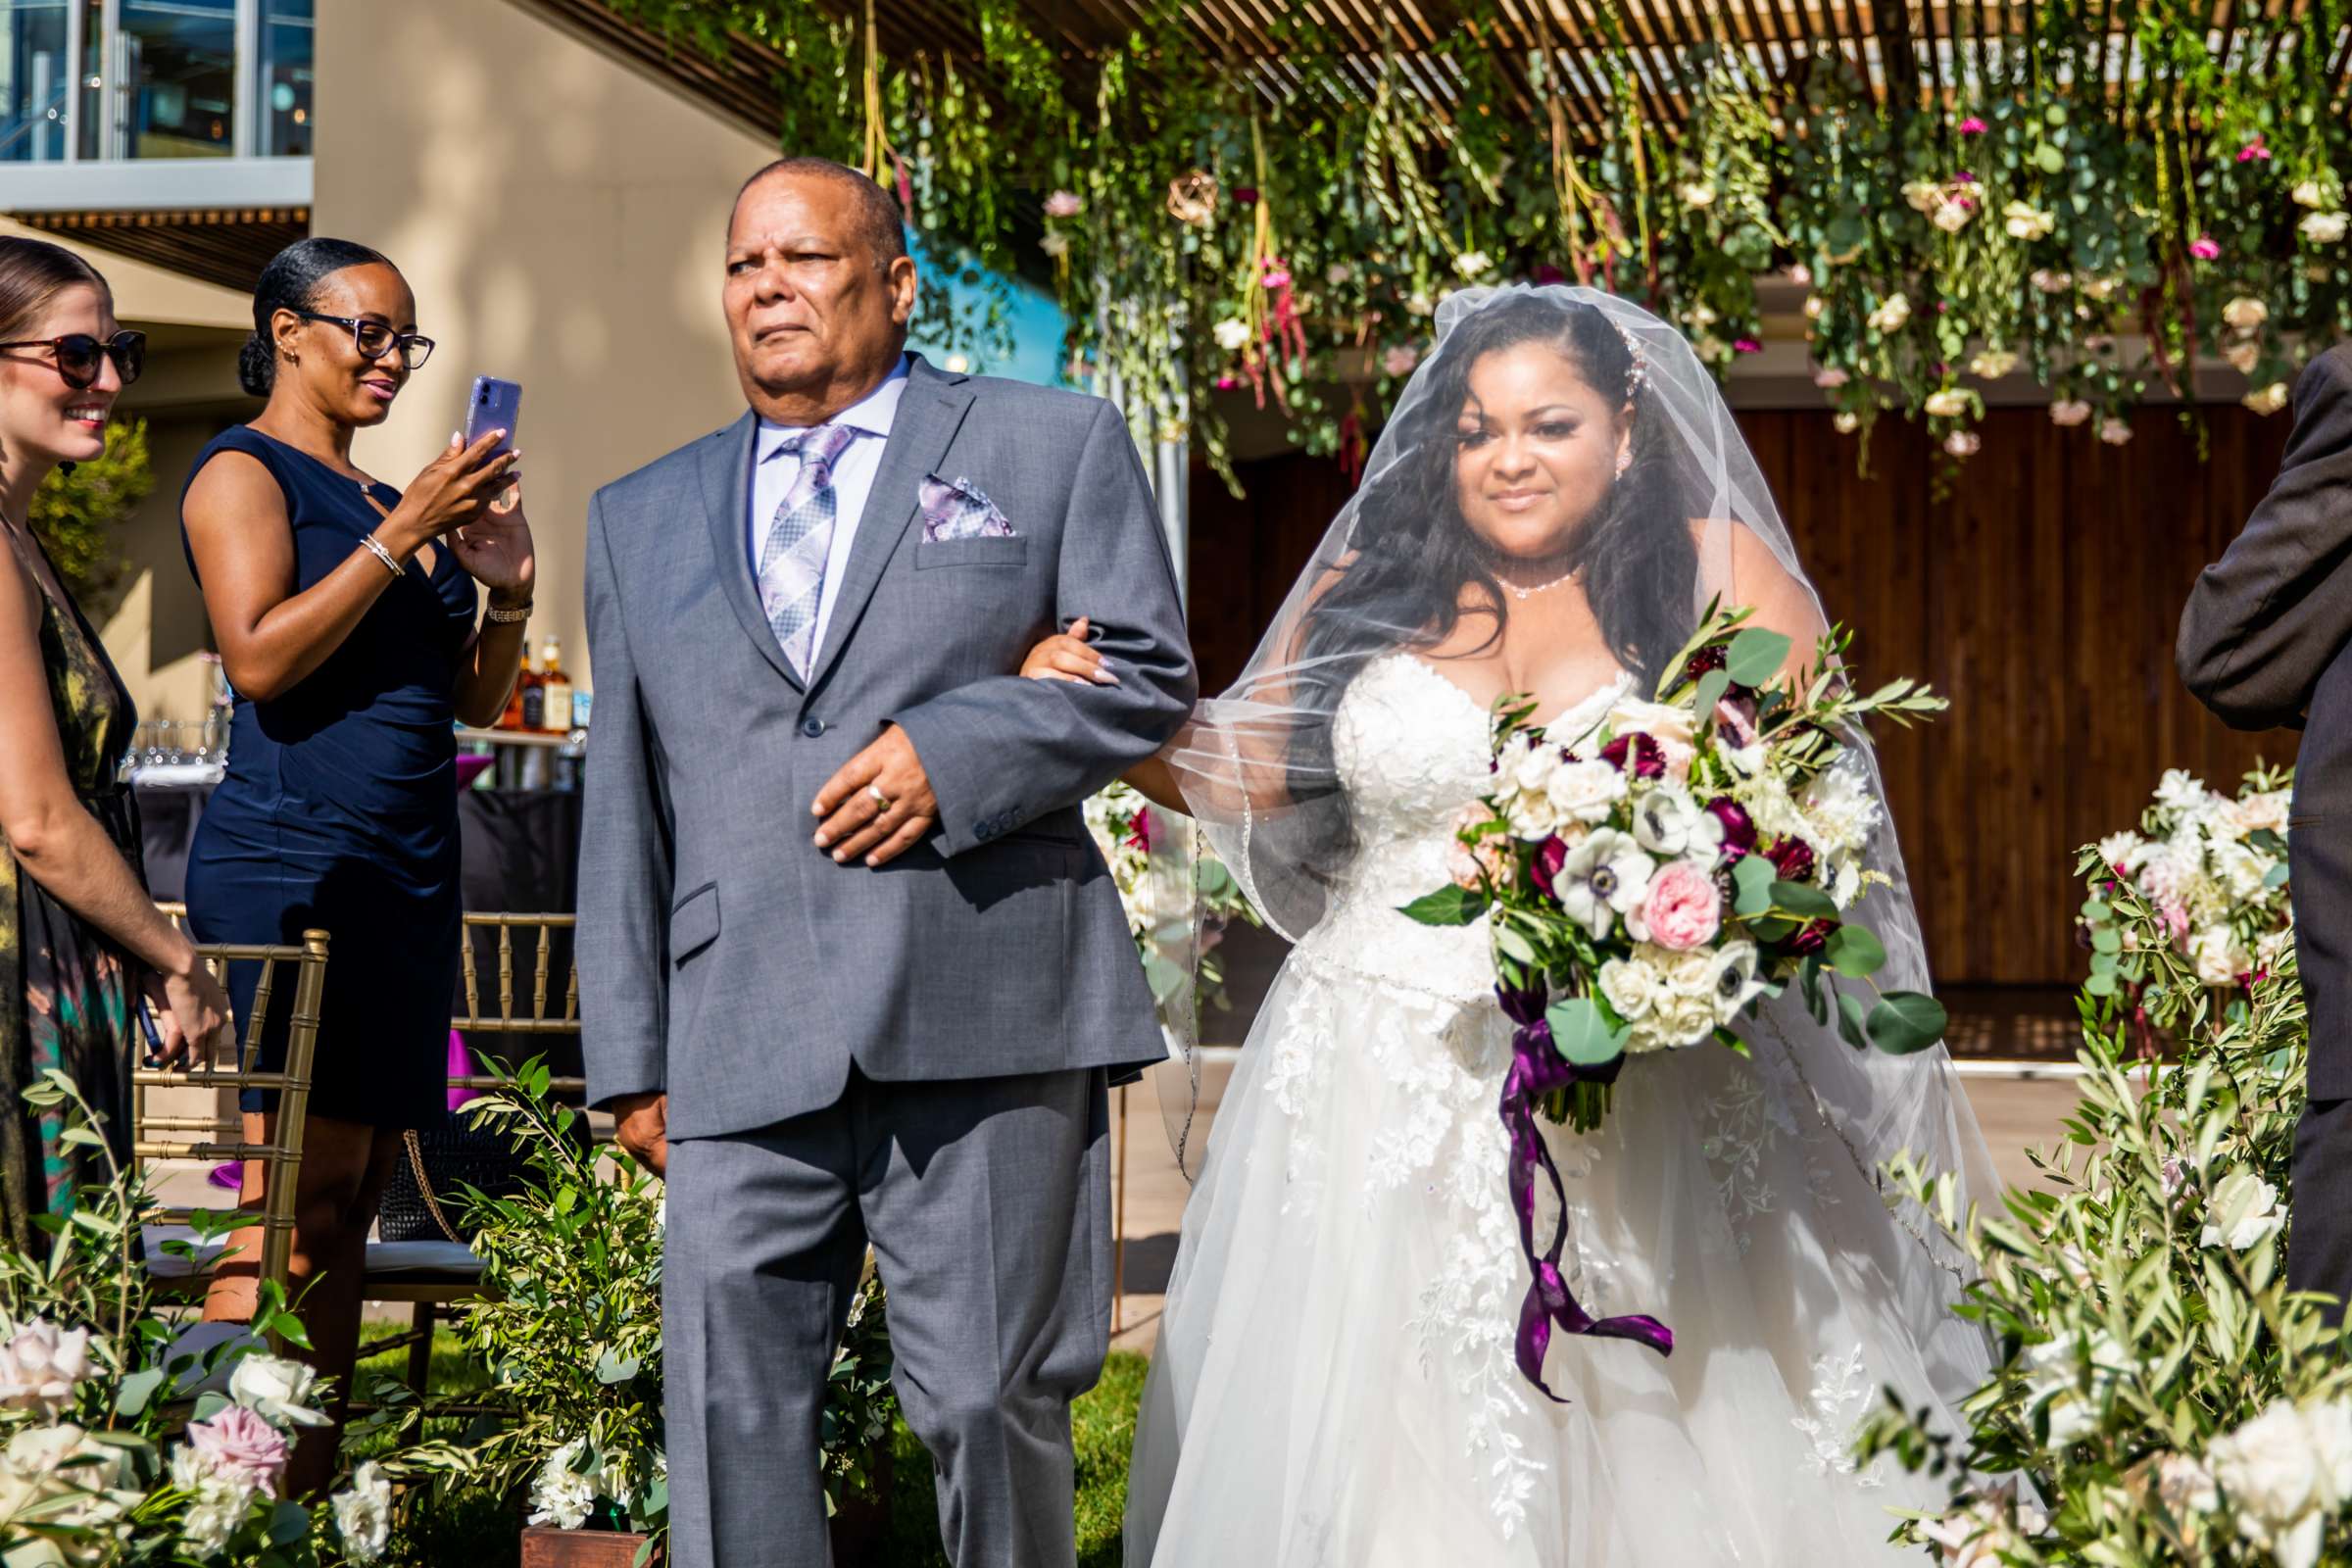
point(1951, 217)
point(2100, 288)
point(1701, 315)
point(2324, 228)
point(2069, 411)
point(364, 1515)
point(1419, 303)
point(1471, 264)
point(2268, 808)
point(2242, 1211)
point(1696, 193)
point(2267, 400)
point(1993, 363)
point(2242, 356)
point(2115, 432)
point(2050, 280)
point(1231, 334)
point(1847, 422)
point(2308, 193)
point(41, 1364)
point(1631, 986)
point(1923, 195)
point(2055, 1376)
point(1814, 305)
point(1892, 313)
point(2277, 1476)
point(71, 1482)
point(2246, 313)
point(2117, 848)
point(1946, 402)
point(280, 1392)
point(2219, 958)
point(1963, 442)
point(1528, 762)
point(1587, 791)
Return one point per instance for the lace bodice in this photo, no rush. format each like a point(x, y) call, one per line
point(1412, 749)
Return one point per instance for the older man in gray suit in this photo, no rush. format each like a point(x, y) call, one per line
point(2266, 643)
point(850, 968)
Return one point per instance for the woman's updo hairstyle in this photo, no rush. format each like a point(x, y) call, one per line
point(290, 282)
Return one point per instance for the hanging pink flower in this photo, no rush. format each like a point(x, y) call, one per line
point(2254, 152)
point(2205, 247)
point(1064, 204)
point(1964, 178)
point(1971, 127)
point(1747, 345)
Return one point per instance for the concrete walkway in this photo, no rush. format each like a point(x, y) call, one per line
point(2017, 1113)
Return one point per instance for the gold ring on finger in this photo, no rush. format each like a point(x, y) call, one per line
point(881, 800)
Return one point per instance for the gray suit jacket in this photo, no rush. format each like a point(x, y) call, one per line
point(2263, 643)
point(726, 958)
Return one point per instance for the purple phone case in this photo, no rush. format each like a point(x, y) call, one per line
point(493, 405)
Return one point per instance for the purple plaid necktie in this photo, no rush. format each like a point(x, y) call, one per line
point(792, 563)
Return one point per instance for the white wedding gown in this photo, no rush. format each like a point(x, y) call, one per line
point(1335, 1384)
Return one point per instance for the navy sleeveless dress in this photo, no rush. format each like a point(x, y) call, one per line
point(340, 811)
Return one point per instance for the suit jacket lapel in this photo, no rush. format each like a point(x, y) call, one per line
point(727, 500)
point(930, 411)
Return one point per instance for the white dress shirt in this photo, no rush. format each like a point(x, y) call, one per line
point(773, 472)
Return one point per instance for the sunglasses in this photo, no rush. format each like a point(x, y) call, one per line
point(375, 340)
point(79, 355)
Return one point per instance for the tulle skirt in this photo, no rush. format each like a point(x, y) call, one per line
point(1335, 1382)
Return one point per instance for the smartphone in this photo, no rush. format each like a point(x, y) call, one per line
point(494, 405)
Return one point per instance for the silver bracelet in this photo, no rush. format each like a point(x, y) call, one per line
point(507, 617)
point(375, 547)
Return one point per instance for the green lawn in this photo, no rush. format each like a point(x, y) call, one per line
point(481, 1531)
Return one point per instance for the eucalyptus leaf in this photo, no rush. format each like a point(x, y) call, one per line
point(1711, 687)
point(1853, 951)
point(1751, 882)
point(1756, 655)
point(1581, 1034)
point(1802, 897)
point(1906, 1021)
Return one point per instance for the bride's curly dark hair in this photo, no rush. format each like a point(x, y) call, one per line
point(1411, 553)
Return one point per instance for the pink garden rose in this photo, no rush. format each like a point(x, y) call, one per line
point(239, 1447)
point(1682, 909)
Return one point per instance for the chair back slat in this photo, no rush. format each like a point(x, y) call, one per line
point(230, 1063)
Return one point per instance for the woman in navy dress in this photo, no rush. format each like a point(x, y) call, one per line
point(345, 611)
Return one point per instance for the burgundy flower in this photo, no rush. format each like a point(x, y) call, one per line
point(1793, 857)
point(1140, 838)
point(1739, 831)
point(1711, 657)
point(1637, 754)
point(1810, 939)
point(1550, 855)
point(1545, 273)
point(1246, 195)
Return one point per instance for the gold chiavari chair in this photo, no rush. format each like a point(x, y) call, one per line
point(222, 1067)
point(536, 999)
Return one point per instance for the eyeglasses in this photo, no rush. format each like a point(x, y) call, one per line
point(77, 355)
point(375, 340)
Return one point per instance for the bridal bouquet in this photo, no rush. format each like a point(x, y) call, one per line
point(2213, 866)
point(1648, 879)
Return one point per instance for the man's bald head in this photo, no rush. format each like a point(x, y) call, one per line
point(878, 220)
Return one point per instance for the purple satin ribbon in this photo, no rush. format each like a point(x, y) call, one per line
point(1536, 1070)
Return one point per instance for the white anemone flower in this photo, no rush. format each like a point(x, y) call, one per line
point(1604, 877)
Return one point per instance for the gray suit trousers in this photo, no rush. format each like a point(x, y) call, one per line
point(988, 1206)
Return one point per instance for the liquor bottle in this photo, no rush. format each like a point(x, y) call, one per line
point(534, 700)
point(555, 689)
point(512, 718)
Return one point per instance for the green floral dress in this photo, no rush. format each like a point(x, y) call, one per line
point(66, 990)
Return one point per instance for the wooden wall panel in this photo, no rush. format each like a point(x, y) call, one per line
point(2040, 589)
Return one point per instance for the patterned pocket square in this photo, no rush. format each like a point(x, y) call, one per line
point(957, 509)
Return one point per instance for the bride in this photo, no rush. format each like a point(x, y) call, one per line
point(1555, 498)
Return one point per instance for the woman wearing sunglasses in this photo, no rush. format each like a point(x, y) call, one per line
point(81, 945)
point(347, 617)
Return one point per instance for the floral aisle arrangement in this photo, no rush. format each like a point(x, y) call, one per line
point(1956, 206)
point(571, 1327)
point(1135, 838)
point(2213, 867)
point(2161, 1398)
point(1648, 880)
point(119, 1446)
